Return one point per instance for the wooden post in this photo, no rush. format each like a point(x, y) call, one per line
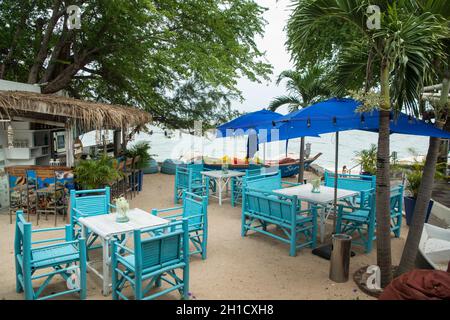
point(124, 138)
point(116, 138)
point(69, 143)
point(301, 165)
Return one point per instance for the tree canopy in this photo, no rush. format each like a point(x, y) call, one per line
point(177, 59)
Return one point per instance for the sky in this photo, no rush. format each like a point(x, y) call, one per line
point(258, 95)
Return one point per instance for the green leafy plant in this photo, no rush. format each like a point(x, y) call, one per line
point(367, 158)
point(139, 149)
point(414, 176)
point(93, 174)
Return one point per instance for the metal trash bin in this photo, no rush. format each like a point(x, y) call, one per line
point(340, 257)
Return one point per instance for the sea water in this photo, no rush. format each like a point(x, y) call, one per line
point(179, 145)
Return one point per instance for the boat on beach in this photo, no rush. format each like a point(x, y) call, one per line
point(435, 246)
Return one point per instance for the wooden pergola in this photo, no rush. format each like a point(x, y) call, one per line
point(71, 114)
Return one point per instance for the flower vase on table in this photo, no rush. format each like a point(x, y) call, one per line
point(315, 186)
point(123, 207)
point(225, 168)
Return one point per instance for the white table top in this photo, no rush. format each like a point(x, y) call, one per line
point(105, 225)
point(220, 174)
point(325, 196)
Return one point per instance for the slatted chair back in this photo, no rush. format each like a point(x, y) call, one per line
point(197, 168)
point(163, 249)
point(89, 202)
point(351, 182)
point(396, 201)
point(195, 209)
point(183, 177)
point(22, 241)
point(267, 182)
point(270, 205)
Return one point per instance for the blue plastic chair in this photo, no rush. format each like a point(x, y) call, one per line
point(188, 178)
point(261, 208)
point(87, 203)
point(64, 255)
point(195, 209)
point(362, 220)
point(153, 260)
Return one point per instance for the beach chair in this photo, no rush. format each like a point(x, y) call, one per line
point(362, 183)
point(195, 209)
point(261, 208)
point(189, 178)
point(67, 258)
point(362, 220)
point(86, 203)
point(154, 259)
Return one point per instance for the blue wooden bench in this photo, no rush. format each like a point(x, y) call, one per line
point(262, 208)
point(195, 209)
point(364, 184)
point(152, 260)
point(63, 255)
point(362, 221)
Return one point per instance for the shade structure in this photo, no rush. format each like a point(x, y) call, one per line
point(335, 115)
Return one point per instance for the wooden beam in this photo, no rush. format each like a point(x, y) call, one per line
point(46, 122)
point(433, 87)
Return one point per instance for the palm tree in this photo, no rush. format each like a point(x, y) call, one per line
point(304, 88)
point(442, 117)
point(403, 49)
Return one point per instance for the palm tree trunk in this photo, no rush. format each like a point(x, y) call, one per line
point(409, 254)
point(383, 229)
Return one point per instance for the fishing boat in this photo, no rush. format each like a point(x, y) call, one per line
point(289, 166)
point(435, 246)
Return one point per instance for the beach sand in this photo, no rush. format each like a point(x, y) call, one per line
point(254, 267)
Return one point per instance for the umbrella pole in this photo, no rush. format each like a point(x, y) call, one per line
point(301, 164)
point(264, 153)
point(336, 159)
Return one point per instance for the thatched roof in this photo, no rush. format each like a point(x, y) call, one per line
point(88, 115)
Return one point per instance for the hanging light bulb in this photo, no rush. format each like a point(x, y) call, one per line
point(363, 119)
point(10, 137)
point(308, 122)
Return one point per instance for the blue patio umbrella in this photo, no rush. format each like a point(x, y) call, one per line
point(335, 115)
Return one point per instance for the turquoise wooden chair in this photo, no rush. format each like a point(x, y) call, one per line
point(188, 178)
point(152, 260)
point(195, 209)
point(259, 179)
point(87, 203)
point(362, 183)
point(65, 256)
point(261, 208)
point(362, 220)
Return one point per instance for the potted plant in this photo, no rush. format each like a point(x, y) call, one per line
point(367, 159)
point(413, 178)
point(96, 173)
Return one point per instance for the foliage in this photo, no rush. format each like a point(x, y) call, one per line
point(93, 174)
point(367, 158)
point(304, 87)
point(139, 149)
point(414, 174)
point(179, 60)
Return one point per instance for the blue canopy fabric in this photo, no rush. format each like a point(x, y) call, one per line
point(254, 120)
point(335, 115)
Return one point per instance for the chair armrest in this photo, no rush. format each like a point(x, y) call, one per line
point(112, 205)
point(55, 245)
point(291, 183)
point(121, 246)
point(79, 212)
point(156, 211)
